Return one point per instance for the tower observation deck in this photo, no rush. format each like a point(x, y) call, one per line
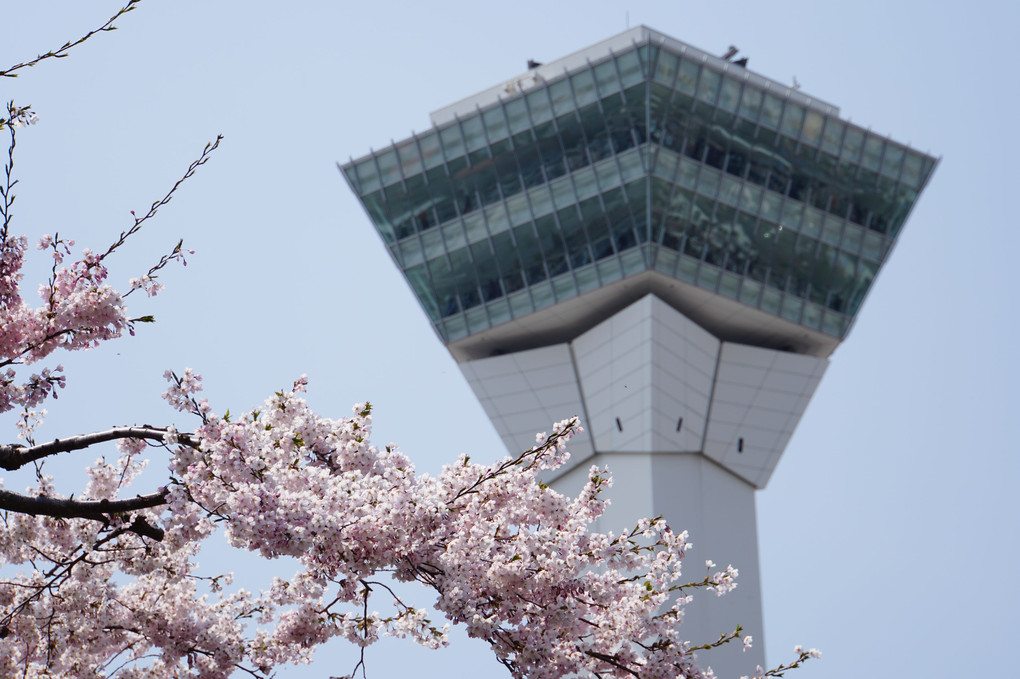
point(662, 242)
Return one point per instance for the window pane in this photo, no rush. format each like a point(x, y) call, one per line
point(771, 112)
point(852, 143)
point(793, 117)
point(750, 102)
point(892, 161)
point(430, 150)
point(605, 75)
point(561, 98)
point(709, 86)
point(665, 68)
point(368, 178)
point(630, 68)
point(388, 167)
point(453, 144)
point(833, 136)
point(872, 153)
point(729, 95)
point(410, 161)
point(912, 170)
point(584, 88)
point(495, 124)
point(538, 103)
point(474, 134)
point(517, 114)
point(687, 79)
point(812, 132)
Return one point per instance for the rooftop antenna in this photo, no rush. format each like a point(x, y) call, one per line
point(730, 53)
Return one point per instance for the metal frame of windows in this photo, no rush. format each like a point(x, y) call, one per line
point(787, 208)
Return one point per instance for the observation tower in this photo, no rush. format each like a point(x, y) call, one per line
point(664, 243)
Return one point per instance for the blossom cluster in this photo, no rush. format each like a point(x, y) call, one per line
point(502, 554)
point(79, 310)
point(508, 557)
point(21, 117)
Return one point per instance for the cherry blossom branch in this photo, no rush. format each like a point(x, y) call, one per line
point(550, 443)
point(68, 508)
point(802, 656)
point(62, 51)
point(95, 510)
point(14, 456)
point(611, 660)
point(723, 639)
point(57, 576)
point(6, 197)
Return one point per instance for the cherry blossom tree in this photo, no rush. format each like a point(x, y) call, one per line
point(103, 582)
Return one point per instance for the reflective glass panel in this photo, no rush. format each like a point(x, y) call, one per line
point(771, 111)
point(793, 117)
point(538, 104)
point(750, 102)
point(630, 68)
point(812, 132)
point(605, 76)
point(562, 100)
point(687, 78)
point(708, 87)
point(453, 143)
point(584, 87)
point(388, 167)
point(666, 68)
point(495, 124)
point(729, 95)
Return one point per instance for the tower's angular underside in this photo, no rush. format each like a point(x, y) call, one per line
point(659, 241)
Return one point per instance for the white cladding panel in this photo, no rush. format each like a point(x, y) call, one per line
point(760, 395)
point(646, 377)
point(649, 380)
point(614, 361)
point(526, 392)
point(684, 366)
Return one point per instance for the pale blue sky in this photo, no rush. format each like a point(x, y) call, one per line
point(888, 534)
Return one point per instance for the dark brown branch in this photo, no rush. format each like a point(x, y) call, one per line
point(14, 456)
point(67, 508)
point(95, 510)
point(611, 660)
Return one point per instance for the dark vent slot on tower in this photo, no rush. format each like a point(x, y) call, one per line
point(618, 425)
point(740, 445)
point(679, 423)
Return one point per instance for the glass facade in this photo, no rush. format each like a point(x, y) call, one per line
point(646, 159)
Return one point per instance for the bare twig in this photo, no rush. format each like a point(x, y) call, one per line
point(62, 51)
point(202, 160)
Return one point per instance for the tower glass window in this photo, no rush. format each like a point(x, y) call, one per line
point(643, 158)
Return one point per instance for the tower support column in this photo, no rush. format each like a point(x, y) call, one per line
point(689, 425)
point(717, 508)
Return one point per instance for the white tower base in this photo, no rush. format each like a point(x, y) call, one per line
point(690, 427)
